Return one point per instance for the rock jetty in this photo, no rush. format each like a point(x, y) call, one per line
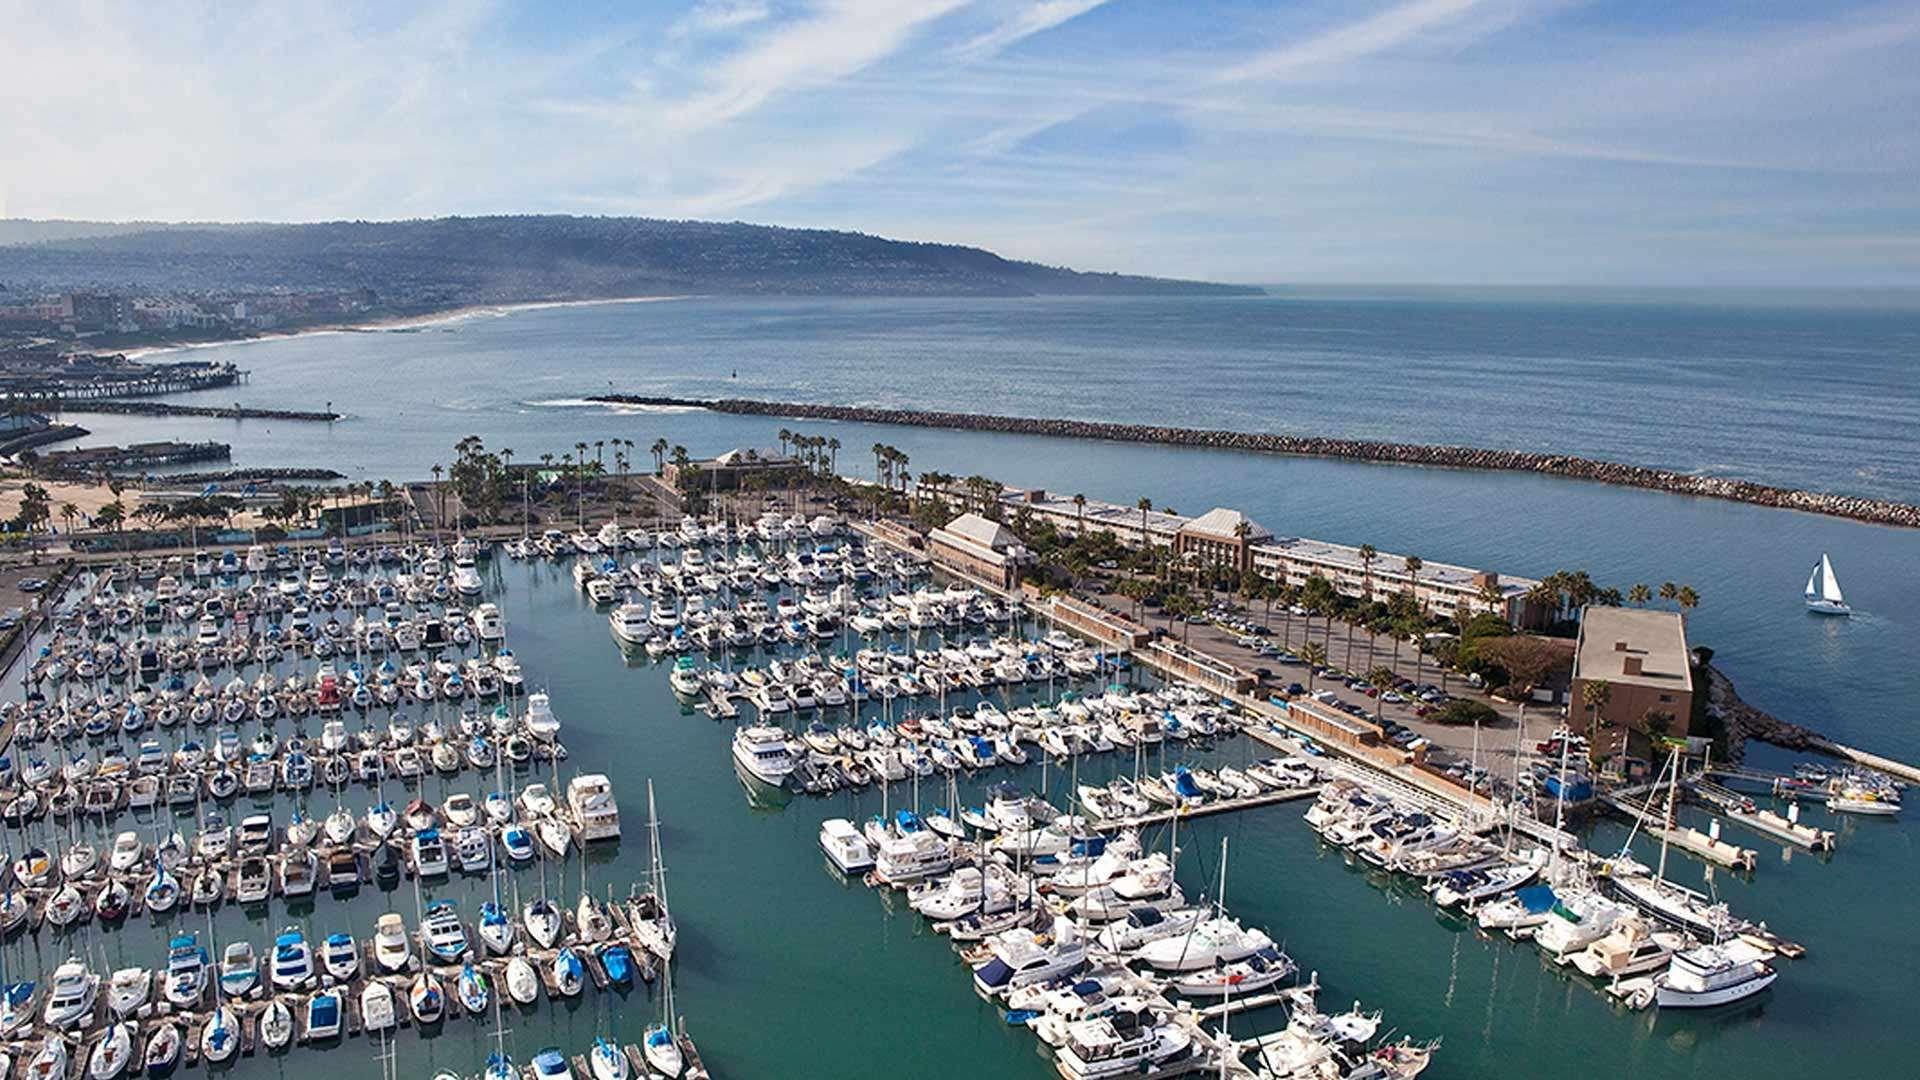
point(1857, 508)
point(223, 412)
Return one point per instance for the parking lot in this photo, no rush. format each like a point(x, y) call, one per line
point(1247, 640)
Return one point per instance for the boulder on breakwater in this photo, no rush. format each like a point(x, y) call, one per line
point(1857, 508)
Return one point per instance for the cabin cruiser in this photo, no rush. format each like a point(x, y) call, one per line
point(1020, 957)
point(761, 750)
point(590, 798)
point(291, 966)
point(391, 951)
point(71, 994)
point(845, 846)
point(1219, 940)
point(1715, 974)
point(1125, 1042)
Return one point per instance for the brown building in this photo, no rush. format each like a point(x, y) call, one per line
point(1643, 658)
point(980, 549)
point(1221, 537)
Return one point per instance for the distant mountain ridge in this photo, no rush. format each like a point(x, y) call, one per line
point(432, 262)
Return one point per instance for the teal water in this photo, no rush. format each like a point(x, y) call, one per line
point(789, 973)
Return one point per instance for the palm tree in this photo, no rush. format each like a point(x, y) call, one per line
point(1080, 509)
point(1669, 591)
point(1314, 655)
point(1639, 595)
point(1367, 554)
point(833, 455)
point(785, 438)
point(69, 513)
point(439, 498)
point(659, 449)
point(1145, 504)
point(1594, 695)
point(1686, 598)
point(1382, 679)
point(1413, 564)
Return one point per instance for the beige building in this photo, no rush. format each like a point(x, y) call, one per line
point(726, 472)
point(978, 548)
point(1440, 587)
point(1643, 659)
point(1221, 538)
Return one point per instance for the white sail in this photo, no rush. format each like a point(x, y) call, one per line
point(1829, 585)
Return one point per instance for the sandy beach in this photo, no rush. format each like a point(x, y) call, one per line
point(400, 323)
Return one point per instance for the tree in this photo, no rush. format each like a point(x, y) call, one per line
point(1314, 655)
point(1080, 511)
point(1463, 711)
point(1669, 591)
point(1594, 695)
point(1639, 595)
point(69, 513)
point(1382, 679)
point(1527, 661)
point(1144, 504)
point(1686, 598)
point(1367, 555)
point(659, 449)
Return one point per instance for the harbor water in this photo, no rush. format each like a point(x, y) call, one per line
point(786, 971)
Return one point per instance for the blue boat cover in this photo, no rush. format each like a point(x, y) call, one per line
point(1537, 898)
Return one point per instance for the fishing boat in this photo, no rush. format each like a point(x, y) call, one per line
point(444, 935)
point(1823, 590)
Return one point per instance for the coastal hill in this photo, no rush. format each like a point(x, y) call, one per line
point(426, 264)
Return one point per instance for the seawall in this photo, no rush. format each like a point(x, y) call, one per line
point(224, 412)
point(1857, 508)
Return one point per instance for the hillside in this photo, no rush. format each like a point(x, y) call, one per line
point(431, 263)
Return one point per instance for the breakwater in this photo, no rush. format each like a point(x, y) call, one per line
point(265, 475)
point(1876, 511)
point(223, 412)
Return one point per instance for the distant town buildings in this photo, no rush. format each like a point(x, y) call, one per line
point(81, 315)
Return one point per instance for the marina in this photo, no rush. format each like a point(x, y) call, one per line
point(930, 671)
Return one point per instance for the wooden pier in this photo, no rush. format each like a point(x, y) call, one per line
point(1206, 809)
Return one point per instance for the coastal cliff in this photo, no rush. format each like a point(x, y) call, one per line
point(1875, 511)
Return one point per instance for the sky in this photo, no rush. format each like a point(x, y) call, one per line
point(1472, 142)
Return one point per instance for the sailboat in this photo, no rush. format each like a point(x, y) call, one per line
point(1823, 590)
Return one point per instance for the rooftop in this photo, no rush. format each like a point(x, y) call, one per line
point(982, 532)
point(1634, 647)
point(1226, 523)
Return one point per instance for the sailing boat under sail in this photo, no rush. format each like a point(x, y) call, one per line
point(1823, 590)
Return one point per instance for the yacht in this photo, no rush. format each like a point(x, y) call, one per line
point(845, 846)
point(1021, 957)
point(1125, 1042)
point(629, 623)
point(761, 749)
point(1709, 975)
point(71, 995)
point(1216, 941)
point(186, 971)
point(466, 576)
point(590, 798)
point(488, 625)
point(540, 721)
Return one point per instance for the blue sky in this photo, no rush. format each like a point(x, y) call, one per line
point(1448, 141)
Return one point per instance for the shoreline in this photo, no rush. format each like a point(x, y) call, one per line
point(397, 323)
point(1855, 508)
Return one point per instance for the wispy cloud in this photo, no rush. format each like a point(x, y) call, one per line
point(840, 38)
point(1523, 140)
point(1034, 18)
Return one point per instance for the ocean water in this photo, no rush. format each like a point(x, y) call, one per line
point(790, 973)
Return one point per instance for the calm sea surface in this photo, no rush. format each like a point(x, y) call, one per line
point(787, 972)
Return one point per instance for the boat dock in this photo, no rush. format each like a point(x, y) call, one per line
point(1706, 845)
point(1206, 809)
point(1738, 808)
